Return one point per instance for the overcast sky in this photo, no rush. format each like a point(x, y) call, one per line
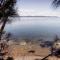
point(36, 8)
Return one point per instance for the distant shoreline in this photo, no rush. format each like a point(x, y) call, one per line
point(35, 16)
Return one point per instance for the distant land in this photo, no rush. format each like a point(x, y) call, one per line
point(33, 16)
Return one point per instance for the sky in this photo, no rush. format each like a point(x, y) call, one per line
point(36, 8)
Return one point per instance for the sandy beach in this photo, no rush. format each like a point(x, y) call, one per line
point(27, 51)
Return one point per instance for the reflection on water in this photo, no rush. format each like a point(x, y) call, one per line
point(34, 27)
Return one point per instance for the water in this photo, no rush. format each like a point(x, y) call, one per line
point(34, 27)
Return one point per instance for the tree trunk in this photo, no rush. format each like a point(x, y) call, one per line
point(46, 57)
point(3, 25)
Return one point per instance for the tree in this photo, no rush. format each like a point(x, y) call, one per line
point(6, 10)
point(56, 3)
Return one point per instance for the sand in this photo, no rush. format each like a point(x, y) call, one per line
point(23, 52)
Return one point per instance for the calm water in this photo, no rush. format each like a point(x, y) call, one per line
point(34, 27)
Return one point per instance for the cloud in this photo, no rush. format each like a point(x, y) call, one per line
point(31, 12)
point(26, 12)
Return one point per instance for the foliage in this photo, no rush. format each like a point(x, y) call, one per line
point(7, 8)
point(56, 3)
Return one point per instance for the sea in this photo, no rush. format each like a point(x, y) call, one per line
point(34, 27)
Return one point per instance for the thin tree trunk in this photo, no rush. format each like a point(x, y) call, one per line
point(2, 27)
point(46, 57)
